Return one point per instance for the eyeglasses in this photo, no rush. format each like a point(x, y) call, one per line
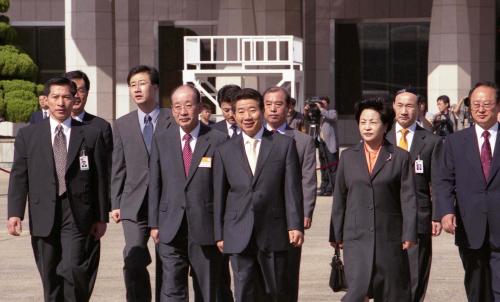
point(178, 107)
point(485, 105)
point(136, 84)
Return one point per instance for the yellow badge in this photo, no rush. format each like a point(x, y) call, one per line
point(206, 162)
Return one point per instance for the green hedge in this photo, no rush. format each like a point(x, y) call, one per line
point(16, 64)
point(19, 105)
point(4, 6)
point(8, 34)
point(11, 85)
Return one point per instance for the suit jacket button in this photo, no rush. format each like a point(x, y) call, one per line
point(370, 207)
point(371, 229)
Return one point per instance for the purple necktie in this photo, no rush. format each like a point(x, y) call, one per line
point(187, 153)
point(486, 155)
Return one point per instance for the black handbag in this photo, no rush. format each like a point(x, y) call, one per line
point(337, 275)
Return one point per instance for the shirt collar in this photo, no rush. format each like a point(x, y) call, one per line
point(54, 123)
point(80, 116)
point(281, 129)
point(492, 130)
point(257, 136)
point(412, 128)
point(194, 133)
point(153, 114)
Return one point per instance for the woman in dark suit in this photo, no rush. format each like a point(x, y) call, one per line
point(374, 213)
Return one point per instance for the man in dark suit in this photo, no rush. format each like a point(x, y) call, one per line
point(181, 200)
point(277, 104)
point(258, 209)
point(78, 113)
point(425, 149)
point(225, 96)
point(133, 136)
point(60, 166)
point(41, 114)
point(468, 194)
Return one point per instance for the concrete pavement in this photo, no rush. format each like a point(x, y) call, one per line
point(20, 282)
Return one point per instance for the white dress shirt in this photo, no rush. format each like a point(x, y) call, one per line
point(45, 111)
point(409, 135)
point(194, 137)
point(80, 117)
point(281, 129)
point(230, 130)
point(66, 129)
point(493, 137)
point(247, 142)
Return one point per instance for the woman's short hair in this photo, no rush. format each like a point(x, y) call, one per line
point(381, 106)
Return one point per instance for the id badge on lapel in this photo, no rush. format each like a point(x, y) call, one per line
point(419, 166)
point(84, 160)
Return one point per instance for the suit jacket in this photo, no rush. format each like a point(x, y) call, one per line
point(263, 206)
point(130, 167)
point(329, 130)
point(463, 191)
point(173, 195)
point(428, 148)
point(33, 175)
point(307, 159)
point(36, 117)
point(221, 126)
point(103, 126)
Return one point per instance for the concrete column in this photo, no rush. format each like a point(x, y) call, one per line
point(89, 47)
point(459, 55)
point(127, 51)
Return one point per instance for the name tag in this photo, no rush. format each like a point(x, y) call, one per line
point(206, 162)
point(84, 163)
point(419, 166)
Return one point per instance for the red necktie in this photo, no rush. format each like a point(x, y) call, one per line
point(187, 153)
point(486, 155)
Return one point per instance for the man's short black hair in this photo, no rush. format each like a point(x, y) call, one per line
point(487, 84)
point(327, 99)
point(154, 77)
point(279, 89)
point(378, 104)
point(59, 81)
point(248, 93)
point(444, 98)
point(226, 93)
point(78, 74)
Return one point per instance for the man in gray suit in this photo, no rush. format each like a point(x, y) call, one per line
point(277, 104)
point(327, 144)
point(425, 151)
point(258, 209)
point(133, 134)
point(181, 200)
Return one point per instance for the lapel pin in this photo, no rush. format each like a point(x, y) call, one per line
point(389, 158)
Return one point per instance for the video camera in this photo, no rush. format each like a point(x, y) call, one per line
point(314, 115)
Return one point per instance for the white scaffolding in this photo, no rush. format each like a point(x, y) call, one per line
point(239, 56)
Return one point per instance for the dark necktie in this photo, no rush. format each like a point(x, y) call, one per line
point(45, 115)
point(147, 132)
point(233, 127)
point(187, 153)
point(60, 153)
point(486, 155)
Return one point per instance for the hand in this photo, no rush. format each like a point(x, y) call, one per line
point(115, 214)
point(307, 223)
point(296, 238)
point(155, 234)
point(408, 244)
point(449, 223)
point(98, 229)
point(337, 245)
point(14, 226)
point(436, 228)
point(220, 245)
point(306, 108)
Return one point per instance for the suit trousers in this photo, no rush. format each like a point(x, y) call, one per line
point(259, 276)
point(420, 258)
point(182, 254)
point(136, 258)
point(328, 162)
point(292, 286)
point(482, 272)
point(224, 293)
point(67, 259)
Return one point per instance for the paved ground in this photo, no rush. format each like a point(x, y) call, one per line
point(19, 279)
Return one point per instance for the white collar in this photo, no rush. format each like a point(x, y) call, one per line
point(54, 123)
point(153, 114)
point(492, 130)
point(257, 136)
point(194, 133)
point(80, 116)
point(281, 129)
point(412, 128)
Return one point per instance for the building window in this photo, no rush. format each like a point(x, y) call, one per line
point(377, 59)
point(45, 45)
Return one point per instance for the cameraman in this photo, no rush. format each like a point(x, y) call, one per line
point(317, 113)
point(444, 121)
point(462, 113)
